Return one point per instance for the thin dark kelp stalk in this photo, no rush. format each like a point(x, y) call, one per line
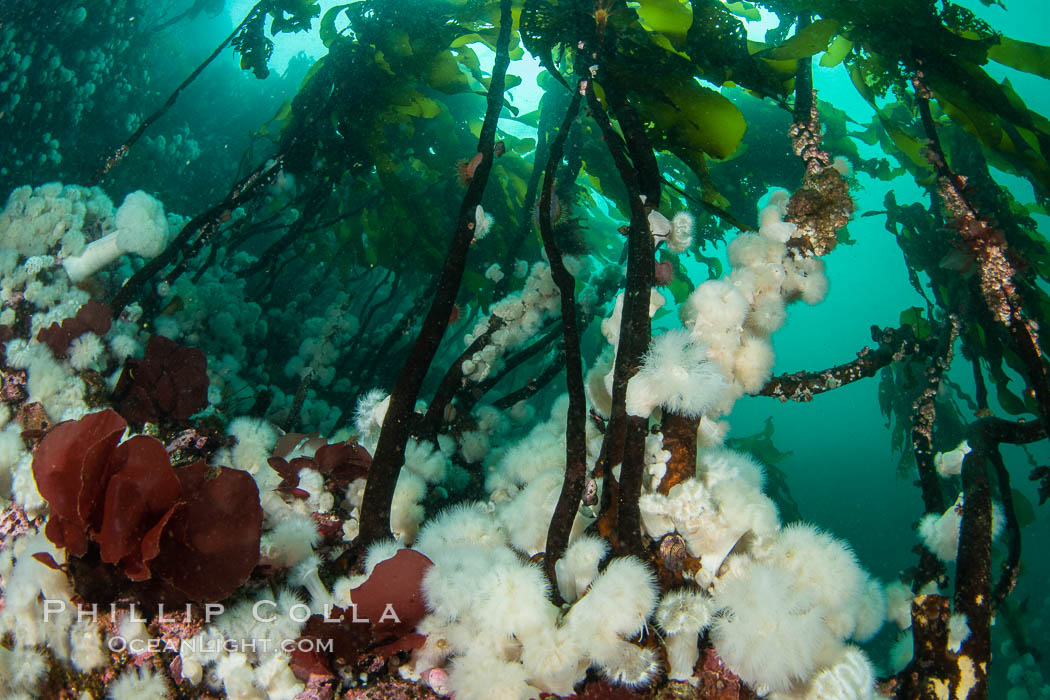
point(988, 243)
point(203, 226)
point(576, 420)
point(398, 423)
point(923, 418)
point(624, 442)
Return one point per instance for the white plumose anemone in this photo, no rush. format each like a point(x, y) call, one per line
point(142, 229)
point(676, 375)
point(769, 633)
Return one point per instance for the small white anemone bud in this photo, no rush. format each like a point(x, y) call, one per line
point(678, 232)
point(681, 236)
point(307, 574)
point(683, 614)
point(482, 223)
point(659, 225)
point(950, 463)
point(494, 272)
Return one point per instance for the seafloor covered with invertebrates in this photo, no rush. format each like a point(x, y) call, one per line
point(510, 349)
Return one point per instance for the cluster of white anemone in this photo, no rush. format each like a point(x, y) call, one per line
point(492, 624)
point(324, 338)
point(43, 234)
point(28, 583)
point(521, 313)
point(938, 533)
point(55, 236)
point(780, 611)
point(734, 317)
point(51, 76)
point(37, 221)
point(782, 600)
point(780, 603)
point(724, 350)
